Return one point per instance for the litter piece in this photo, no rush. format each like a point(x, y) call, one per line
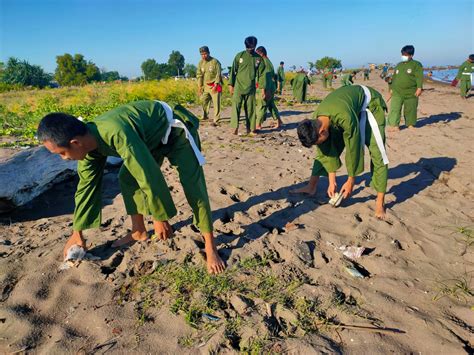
point(352, 252)
point(336, 200)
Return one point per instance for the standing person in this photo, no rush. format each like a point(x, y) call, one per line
point(338, 123)
point(366, 74)
point(142, 133)
point(348, 79)
point(327, 78)
point(281, 78)
point(405, 89)
point(384, 71)
point(246, 68)
point(265, 94)
point(209, 83)
point(465, 75)
point(299, 84)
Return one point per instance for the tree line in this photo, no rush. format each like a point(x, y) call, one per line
point(73, 70)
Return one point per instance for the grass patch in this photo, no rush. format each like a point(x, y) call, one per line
point(459, 288)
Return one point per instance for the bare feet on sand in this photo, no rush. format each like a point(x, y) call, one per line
point(278, 124)
point(307, 190)
point(130, 238)
point(380, 207)
point(393, 129)
point(215, 265)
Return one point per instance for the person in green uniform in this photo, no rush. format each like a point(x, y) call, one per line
point(336, 125)
point(142, 133)
point(209, 83)
point(327, 78)
point(366, 74)
point(299, 84)
point(348, 79)
point(265, 94)
point(465, 75)
point(406, 88)
point(246, 69)
point(281, 77)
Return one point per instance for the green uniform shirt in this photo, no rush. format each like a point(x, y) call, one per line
point(267, 79)
point(208, 72)
point(407, 77)
point(132, 132)
point(343, 108)
point(466, 67)
point(281, 74)
point(246, 69)
point(347, 79)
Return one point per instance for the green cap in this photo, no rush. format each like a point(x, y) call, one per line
point(204, 49)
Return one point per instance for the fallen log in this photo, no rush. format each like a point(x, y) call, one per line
point(28, 174)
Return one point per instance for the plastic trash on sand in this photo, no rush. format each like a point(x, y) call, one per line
point(352, 252)
point(74, 256)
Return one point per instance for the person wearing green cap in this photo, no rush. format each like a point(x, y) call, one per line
point(465, 75)
point(348, 79)
point(405, 89)
point(209, 83)
point(327, 78)
point(348, 119)
point(299, 84)
point(247, 67)
point(265, 94)
point(142, 133)
point(281, 78)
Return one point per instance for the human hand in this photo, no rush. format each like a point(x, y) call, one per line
point(347, 188)
point(75, 239)
point(231, 89)
point(418, 92)
point(163, 229)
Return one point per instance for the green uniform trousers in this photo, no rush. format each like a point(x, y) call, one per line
point(207, 97)
point(248, 101)
point(191, 175)
point(410, 106)
point(378, 170)
point(263, 106)
point(465, 86)
point(280, 87)
point(327, 82)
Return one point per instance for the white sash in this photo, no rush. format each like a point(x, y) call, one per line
point(178, 124)
point(365, 115)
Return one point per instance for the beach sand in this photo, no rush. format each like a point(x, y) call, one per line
point(413, 260)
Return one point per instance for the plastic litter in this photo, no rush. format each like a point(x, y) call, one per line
point(210, 317)
point(352, 252)
point(74, 256)
point(336, 200)
point(354, 272)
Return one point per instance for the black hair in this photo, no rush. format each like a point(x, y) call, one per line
point(354, 72)
point(262, 50)
point(307, 133)
point(282, 63)
point(250, 42)
point(409, 49)
point(471, 57)
point(59, 128)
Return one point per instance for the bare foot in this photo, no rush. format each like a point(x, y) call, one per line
point(278, 124)
point(130, 238)
point(393, 128)
point(215, 265)
point(308, 190)
point(252, 134)
point(411, 127)
point(380, 212)
point(259, 127)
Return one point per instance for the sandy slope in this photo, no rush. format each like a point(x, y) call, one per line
point(411, 253)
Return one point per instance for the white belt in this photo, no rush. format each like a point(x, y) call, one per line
point(365, 115)
point(178, 124)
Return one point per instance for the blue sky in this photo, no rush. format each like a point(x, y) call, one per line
point(121, 34)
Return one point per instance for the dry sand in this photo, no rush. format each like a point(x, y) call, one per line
point(412, 256)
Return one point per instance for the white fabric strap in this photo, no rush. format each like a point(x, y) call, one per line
point(366, 114)
point(178, 124)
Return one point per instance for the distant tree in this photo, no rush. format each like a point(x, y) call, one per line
point(311, 65)
point(293, 67)
point(22, 73)
point(110, 76)
point(328, 62)
point(190, 70)
point(150, 69)
point(176, 63)
point(75, 70)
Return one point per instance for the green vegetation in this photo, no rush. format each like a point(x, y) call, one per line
point(328, 62)
point(205, 301)
point(459, 288)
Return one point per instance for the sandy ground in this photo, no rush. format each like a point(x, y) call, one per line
point(419, 264)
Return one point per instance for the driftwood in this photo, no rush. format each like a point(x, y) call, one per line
point(28, 174)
